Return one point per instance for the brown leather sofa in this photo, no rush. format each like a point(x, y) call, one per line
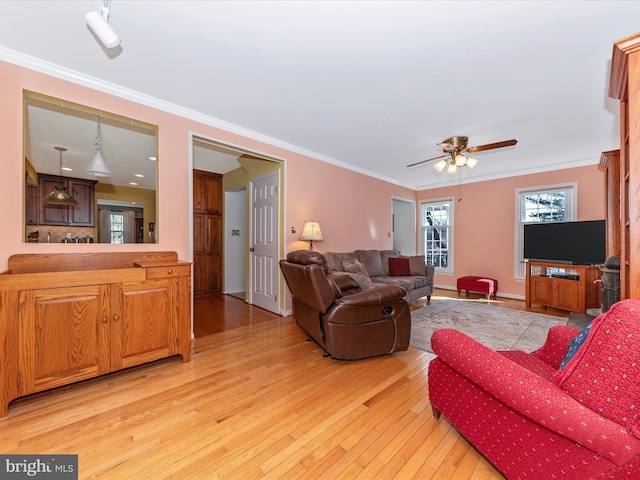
point(349, 323)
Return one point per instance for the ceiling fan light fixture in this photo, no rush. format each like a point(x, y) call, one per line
point(471, 162)
point(461, 160)
point(452, 168)
point(440, 165)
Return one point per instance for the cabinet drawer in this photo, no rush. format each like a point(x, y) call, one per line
point(166, 272)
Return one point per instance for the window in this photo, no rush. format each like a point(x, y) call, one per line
point(436, 230)
point(116, 221)
point(541, 204)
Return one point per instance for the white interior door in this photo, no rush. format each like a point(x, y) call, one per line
point(264, 242)
point(404, 226)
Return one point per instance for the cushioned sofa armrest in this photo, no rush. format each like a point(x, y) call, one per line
point(373, 296)
point(538, 399)
point(429, 271)
point(555, 347)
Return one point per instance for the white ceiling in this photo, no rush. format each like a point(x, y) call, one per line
point(370, 85)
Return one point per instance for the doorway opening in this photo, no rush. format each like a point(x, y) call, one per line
point(404, 225)
point(239, 170)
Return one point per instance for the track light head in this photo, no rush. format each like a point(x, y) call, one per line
point(98, 23)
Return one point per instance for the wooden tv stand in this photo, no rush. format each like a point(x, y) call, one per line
point(566, 287)
point(66, 317)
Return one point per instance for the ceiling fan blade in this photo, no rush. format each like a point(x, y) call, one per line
point(490, 146)
point(427, 160)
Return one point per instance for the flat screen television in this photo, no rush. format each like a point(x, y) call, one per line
point(578, 243)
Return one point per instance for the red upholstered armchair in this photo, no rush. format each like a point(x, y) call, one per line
point(533, 421)
point(347, 322)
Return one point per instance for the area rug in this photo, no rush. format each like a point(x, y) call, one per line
point(497, 328)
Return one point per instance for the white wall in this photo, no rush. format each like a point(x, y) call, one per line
point(235, 246)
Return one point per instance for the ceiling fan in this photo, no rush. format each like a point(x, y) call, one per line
point(453, 149)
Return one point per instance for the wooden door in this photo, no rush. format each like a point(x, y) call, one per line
point(51, 214)
point(141, 317)
point(64, 336)
point(207, 232)
point(213, 251)
point(199, 193)
point(540, 290)
point(567, 295)
point(83, 213)
point(31, 205)
point(207, 192)
point(213, 193)
point(200, 283)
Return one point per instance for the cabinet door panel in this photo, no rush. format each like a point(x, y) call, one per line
point(51, 214)
point(213, 194)
point(83, 193)
point(567, 295)
point(64, 336)
point(540, 290)
point(141, 314)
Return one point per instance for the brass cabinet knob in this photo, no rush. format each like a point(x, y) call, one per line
point(105, 319)
point(116, 318)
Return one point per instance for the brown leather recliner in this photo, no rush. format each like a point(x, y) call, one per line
point(347, 322)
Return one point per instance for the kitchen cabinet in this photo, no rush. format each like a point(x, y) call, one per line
point(207, 254)
point(31, 205)
point(75, 325)
point(207, 232)
point(82, 192)
point(207, 192)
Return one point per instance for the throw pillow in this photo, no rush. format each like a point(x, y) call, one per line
point(417, 265)
point(356, 267)
point(575, 344)
point(399, 267)
point(364, 281)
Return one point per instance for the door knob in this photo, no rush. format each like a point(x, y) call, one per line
point(252, 249)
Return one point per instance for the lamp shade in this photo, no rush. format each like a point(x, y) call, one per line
point(60, 196)
point(98, 166)
point(311, 231)
point(440, 165)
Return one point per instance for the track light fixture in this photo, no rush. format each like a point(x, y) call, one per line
point(99, 23)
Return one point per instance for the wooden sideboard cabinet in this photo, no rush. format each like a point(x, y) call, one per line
point(567, 287)
point(60, 326)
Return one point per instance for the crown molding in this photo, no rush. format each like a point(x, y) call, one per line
point(57, 71)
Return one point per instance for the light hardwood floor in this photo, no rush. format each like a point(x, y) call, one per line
point(256, 401)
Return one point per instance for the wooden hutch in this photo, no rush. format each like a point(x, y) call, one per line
point(624, 85)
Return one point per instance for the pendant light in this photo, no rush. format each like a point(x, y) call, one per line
point(59, 194)
point(98, 166)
